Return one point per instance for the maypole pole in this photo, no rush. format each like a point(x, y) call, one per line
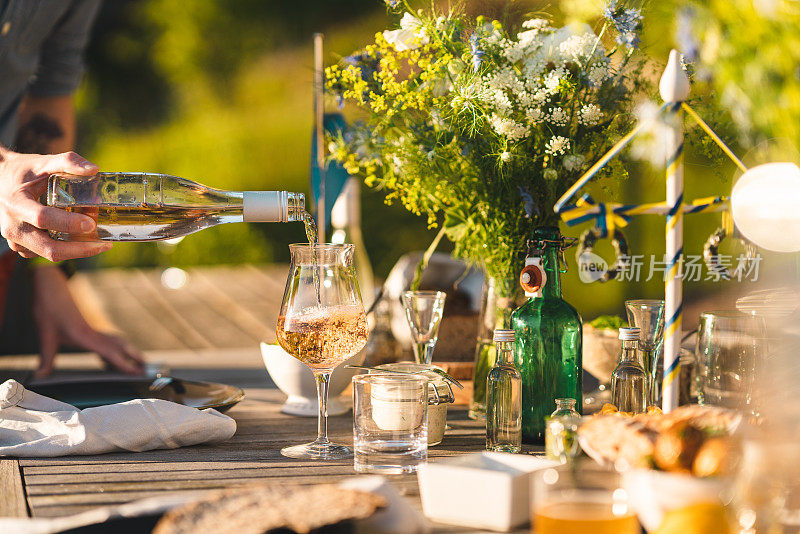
point(674, 89)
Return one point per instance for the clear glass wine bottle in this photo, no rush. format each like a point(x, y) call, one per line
point(504, 398)
point(629, 380)
point(138, 206)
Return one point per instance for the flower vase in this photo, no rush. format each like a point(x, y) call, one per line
point(500, 298)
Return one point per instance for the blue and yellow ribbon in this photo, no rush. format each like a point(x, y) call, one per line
point(610, 216)
point(606, 220)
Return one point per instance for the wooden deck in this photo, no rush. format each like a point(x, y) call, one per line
point(218, 307)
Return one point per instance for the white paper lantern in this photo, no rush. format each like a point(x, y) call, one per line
point(766, 206)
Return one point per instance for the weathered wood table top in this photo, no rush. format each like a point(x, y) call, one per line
point(60, 486)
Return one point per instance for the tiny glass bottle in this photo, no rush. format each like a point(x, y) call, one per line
point(504, 398)
point(629, 381)
point(560, 438)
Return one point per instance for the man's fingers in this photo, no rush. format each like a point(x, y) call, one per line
point(50, 218)
point(116, 352)
point(22, 251)
point(132, 351)
point(68, 162)
point(39, 242)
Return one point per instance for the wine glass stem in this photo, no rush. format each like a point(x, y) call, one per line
point(423, 352)
point(323, 379)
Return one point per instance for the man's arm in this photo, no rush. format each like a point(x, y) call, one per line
point(46, 124)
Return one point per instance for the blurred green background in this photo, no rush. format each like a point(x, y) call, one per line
point(220, 91)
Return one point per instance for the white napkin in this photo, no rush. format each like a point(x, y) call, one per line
point(34, 425)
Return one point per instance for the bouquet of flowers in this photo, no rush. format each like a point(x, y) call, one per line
point(481, 126)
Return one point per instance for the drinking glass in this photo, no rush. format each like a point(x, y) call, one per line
point(390, 432)
point(648, 316)
point(321, 323)
point(424, 315)
point(729, 344)
point(581, 498)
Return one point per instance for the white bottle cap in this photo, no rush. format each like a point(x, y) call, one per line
point(503, 335)
point(628, 333)
point(265, 206)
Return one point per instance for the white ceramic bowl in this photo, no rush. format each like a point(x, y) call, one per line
point(296, 380)
point(654, 493)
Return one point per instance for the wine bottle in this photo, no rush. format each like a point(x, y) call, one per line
point(140, 206)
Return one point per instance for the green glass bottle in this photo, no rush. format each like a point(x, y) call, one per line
point(549, 337)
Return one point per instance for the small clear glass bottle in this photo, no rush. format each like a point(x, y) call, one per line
point(561, 428)
point(629, 381)
point(504, 398)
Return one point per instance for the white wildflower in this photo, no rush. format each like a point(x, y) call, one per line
point(598, 74)
point(505, 78)
point(500, 101)
point(558, 117)
point(533, 69)
point(557, 145)
point(553, 79)
point(411, 34)
point(550, 174)
point(508, 127)
point(573, 162)
point(529, 40)
point(525, 99)
point(578, 47)
point(494, 37)
point(535, 115)
point(512, 51)
point(505, 157)
point(540, 96)
point(537, 24)
point(590, 115)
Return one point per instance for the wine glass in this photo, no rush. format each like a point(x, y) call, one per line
point(730, 345)
point(322, 324)
point(424, 315)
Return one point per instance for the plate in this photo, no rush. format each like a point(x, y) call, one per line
point(90, 393)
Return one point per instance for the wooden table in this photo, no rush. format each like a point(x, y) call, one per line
point(60, 486)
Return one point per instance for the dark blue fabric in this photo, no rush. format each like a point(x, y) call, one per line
point(41, 52)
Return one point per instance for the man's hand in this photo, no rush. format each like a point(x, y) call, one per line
point(24, 221)
point(60, 321)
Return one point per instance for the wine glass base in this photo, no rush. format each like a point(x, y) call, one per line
point(317, 451)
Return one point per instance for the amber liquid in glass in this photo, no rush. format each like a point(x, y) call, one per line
point(322, 338)
point(583, 516)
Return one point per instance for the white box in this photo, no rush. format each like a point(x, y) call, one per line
point(489, 490)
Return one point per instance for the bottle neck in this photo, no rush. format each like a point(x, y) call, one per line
point(551, 289)
point(272, 206)
point(505, 353)
point(565, 405)
point(629, 347)
point(548, 241)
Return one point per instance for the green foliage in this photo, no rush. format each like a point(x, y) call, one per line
point(749, 53)
point(608, 322)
